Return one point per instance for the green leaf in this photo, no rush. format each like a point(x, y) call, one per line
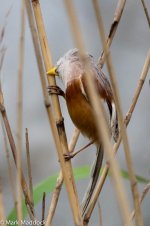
point(48, 185)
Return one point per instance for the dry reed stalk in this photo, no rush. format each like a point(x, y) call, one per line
point(116, 145)
point(19, 123)
point(59, 182)
point(104, 134)
point(61, 138)
point(100, 215)
point(146, 12)
point(99, 113)
point(38, 55)
point(29, 168)
point(144, 193)
point(2, 212)
point(8, 130)
point(12, 185)
point(14, 151)
point(133, 181)
point(113, 28)
point(47, 106)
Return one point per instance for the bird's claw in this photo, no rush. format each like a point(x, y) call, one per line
point(68, 156)
point(56, 90)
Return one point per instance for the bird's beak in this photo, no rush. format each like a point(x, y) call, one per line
point(52, 71)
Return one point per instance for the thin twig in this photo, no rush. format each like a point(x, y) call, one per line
point(144, 193)
point(113, 28)
point(62, 140)
point(116, 145)
point(73, 154)
point(29, 168)
point(133, 181)
point(20, 112)
point(99, 113)
point(59, 182)
point(146, 12)
point(43, 208)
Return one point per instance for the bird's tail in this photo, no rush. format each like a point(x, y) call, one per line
point(94, 177)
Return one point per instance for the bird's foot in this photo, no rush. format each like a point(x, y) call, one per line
point(71, 155)
point(68, 156)
point(56, 90)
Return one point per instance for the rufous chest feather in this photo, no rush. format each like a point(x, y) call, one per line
point(80, 110)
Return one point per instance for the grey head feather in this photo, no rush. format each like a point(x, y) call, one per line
point(69, 66)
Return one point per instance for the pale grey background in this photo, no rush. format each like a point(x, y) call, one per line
point(129, 50)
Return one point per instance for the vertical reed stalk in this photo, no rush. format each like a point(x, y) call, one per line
point(133, 181)
point(20, 112)
point(144, 193)
point(99, 113)
point(63, 149)
point(146, 12)
point(29, 168)
point(47, 106)
point(59, 182)
point(116, 145)
point(117, 16)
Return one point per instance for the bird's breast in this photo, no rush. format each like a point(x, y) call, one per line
point(80, 110)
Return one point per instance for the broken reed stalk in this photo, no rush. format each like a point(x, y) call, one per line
point(61, 138)
point(133, 181)
point(29, 168)
point(116, 145)
point(146, 12)
point(144, 193)
point(47, 106)
point(19, 121)
point(102, 126)
point(59, 182)
point(14, 151)
point(113, 28)
point(2, 212)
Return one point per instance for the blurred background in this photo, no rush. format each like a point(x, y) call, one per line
point(129, 49)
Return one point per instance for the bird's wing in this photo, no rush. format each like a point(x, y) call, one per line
point(104, 89)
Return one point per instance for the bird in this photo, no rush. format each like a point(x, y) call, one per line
point(71, 69)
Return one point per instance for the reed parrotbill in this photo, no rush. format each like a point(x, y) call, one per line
point(72, 71)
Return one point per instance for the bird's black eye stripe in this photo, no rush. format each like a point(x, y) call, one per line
point(56, 70)
point(91, 56)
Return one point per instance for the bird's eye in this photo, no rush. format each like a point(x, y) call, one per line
point(56, 71)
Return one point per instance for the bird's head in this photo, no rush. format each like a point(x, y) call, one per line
point(69, 66)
